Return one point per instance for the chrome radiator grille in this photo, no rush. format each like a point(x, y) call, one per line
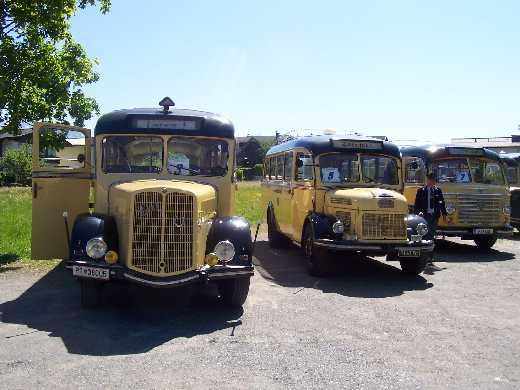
point(379, 226)
point(477, 209)
point(162, 235)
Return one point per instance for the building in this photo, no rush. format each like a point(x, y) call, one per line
point(506, 144)
point(10, 141)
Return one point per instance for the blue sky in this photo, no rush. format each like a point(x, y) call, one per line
point(406, 69)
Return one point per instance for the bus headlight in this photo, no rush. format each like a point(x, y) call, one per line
point(337, 227)
point(422, 229)
point(225, 251)
point(507, 209)
point(96, 248)
point(450, 209)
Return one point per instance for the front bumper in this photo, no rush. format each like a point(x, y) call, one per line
point(204, 275)
point(469, 232)
point(377, 248)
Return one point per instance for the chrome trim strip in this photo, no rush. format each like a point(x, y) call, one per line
point(354, 247)
point(153, 283)
point(218, 275)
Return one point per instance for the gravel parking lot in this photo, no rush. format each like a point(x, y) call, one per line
point(368, 327)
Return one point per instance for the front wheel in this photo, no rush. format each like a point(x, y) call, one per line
point(317, 262)
point(91, 293)
point(414, 266)
point(485, 242)
point(234, 291)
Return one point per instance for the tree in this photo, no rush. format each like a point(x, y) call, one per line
point(42, 68)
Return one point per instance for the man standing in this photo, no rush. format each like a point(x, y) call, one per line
point(429, 203)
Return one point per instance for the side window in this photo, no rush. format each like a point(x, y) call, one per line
point(288, 166)
point(414, 170)
point(279, 167)
point(266, 168)
point(272, 168)
point(303, 167)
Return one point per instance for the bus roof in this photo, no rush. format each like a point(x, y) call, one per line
point(319, 144)
point(511, 159)
point(157, 121)
point(430, 152)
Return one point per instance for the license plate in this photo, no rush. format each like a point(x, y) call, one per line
point(409, 252)
point(482, 231)
point(90, 272)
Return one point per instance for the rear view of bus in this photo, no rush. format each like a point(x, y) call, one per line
point(475, 189)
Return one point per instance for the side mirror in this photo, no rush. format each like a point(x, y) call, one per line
point(81, 158)
point(299, 163)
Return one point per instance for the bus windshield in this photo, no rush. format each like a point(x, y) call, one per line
point(342, 168)
point(486, 171)
point(193, 156)
point(454, 170)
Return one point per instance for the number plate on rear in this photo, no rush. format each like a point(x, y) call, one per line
point(482, 231)
point(409, 252)
point(90, 272)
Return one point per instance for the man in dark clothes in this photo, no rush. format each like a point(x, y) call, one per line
point(429, 203)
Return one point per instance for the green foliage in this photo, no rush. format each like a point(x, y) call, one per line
point(240, 174)
point(258, 170)
point(16, 166)
point(42, 68)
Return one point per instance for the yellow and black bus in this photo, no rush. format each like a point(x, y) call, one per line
point(475, 189)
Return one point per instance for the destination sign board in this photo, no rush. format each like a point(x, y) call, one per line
point(362, 145)
point(169, 124)
point(466, 151)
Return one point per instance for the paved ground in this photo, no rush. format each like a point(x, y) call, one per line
point(369, 327)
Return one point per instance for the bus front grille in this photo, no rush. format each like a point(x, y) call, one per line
point(384, 226)
point(477, 209)
point(162, 233)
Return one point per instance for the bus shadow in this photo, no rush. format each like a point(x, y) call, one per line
point(459, 252)
point(131, 320)
point(359, 276)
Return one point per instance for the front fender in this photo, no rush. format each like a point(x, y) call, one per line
point(238, 232)
point(87, 226)
point(322, 226)
point(412, 220)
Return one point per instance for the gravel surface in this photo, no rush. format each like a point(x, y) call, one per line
point(368, 327)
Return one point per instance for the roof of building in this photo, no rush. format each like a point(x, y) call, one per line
point(157, 121)
point(430, 152)
point(319, 144)
point(509, 158)
point(22, 133)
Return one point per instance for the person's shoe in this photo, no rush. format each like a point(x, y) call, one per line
point(433, 267)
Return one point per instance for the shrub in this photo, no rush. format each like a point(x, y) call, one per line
point(240, 174)
point(16, 166)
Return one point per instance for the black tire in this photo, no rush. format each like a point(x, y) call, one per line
point(91, 293)
point(275, 238)
point(485, 242)
point(414, 266)
point(234, 291)
point(317, 262)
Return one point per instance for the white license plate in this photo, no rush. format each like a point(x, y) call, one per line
point(90, 272)
point(409, 252)
point(482, 231)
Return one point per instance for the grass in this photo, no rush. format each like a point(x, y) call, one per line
point(15, 230)
point(248, 201)
point(15, 223)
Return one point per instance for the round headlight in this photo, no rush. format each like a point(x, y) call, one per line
point(450, 209)
point(337, 227)
point(507, 209)
point(96, 248)
point(225, 251)
point(422, 229)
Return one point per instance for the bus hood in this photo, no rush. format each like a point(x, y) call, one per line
point(366, 199)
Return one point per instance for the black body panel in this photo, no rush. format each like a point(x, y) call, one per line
point(124, 122)
point(322, 226)
point(319, 144)
point(431, 152)
point(87, 226)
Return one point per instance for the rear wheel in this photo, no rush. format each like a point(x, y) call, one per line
point(485, 242)
point(234, 291)
point(317, 262)
point(276, 239)
point(414, 266)
point(91, 293)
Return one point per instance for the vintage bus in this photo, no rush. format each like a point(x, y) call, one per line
point(148, 200)
point(473, 182)
point(341, 194)
point(512, 166)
